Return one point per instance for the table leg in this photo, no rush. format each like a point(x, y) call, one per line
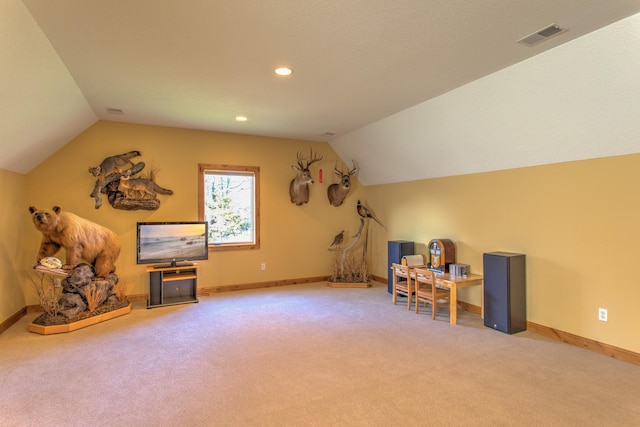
point(453, 305)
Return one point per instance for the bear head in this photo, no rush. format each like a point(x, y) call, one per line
point(44, 219)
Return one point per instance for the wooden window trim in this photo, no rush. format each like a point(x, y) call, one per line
point(255, 170)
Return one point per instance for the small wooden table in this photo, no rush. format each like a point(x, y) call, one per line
point(453, 283)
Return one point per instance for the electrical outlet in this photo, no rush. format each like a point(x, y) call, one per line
point(602, 314)
point(263, 266)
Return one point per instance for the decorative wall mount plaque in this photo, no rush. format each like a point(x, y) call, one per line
point(116, 177)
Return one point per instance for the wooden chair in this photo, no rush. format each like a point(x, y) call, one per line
point(427, 291)
point(402, 283)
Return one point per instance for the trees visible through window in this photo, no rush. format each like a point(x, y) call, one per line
point(229, 202)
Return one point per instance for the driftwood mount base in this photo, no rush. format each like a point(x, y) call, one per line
point(133, 204)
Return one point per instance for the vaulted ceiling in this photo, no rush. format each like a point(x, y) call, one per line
point(200, 63)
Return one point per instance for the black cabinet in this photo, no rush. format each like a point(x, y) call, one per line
point(505, 303)
point(396, 249)
point(172, 285)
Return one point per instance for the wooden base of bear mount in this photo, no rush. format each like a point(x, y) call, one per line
point(69, 327)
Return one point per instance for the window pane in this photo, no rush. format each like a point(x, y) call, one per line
point(229, 204)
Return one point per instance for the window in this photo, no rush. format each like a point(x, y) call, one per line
point(229, 201)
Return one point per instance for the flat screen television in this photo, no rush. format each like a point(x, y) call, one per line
point(171, 244)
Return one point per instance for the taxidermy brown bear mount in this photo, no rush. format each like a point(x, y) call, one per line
point(116, 177)
point(81, 239)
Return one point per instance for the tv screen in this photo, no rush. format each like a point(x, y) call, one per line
point(172, 243)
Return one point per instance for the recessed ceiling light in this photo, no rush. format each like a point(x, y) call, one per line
point(241, 118)
point(283, 71)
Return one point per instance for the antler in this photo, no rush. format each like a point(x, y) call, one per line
point(314, 158)
point(300, 158)
point(355, 167)
point(349, 173)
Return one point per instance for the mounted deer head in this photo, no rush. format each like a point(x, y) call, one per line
point(337, 192)
point(299, 186)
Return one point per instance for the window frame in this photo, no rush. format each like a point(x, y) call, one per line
point(203, 169)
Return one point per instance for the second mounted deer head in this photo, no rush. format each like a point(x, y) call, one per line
point(337, 192)
point(299, 186)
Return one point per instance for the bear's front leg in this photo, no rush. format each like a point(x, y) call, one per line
point(47, 248)
point(74, 253)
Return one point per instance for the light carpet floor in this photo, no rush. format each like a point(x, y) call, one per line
point(306, 355)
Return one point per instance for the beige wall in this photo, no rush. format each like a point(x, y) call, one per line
point(13, 219)
point(294, 239)
point(578, 224)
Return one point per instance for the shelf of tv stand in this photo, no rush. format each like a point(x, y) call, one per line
point(172, 285)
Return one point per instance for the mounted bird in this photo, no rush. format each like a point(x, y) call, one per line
point(337, 241)
point(364, 212)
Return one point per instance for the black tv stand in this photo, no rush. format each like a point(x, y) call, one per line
point(170, 285)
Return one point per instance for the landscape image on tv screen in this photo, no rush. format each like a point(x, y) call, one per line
point(165, 242)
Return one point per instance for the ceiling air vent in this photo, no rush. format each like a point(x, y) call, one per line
point(541, 35)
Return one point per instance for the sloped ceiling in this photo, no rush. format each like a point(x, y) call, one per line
point(199, 64)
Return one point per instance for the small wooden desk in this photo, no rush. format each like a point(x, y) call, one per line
point(456, 282)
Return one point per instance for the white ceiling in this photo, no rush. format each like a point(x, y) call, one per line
point(199, 63)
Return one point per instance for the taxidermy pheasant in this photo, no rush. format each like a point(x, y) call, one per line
point(366, 213)
point(337, 241)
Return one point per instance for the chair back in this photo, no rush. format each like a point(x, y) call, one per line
point(400, 270)
point(402, 283)
point(424, 277)
point(427, 292)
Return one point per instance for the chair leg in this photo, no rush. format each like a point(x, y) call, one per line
point(433, 310)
